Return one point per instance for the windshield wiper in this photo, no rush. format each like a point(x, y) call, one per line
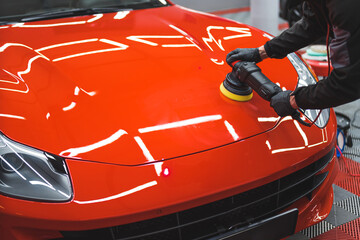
point(71, 13)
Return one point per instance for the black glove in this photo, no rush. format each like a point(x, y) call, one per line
point(244, 54)
point(281, 104)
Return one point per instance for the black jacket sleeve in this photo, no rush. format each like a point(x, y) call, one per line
point(342, 86)
point(309, 29)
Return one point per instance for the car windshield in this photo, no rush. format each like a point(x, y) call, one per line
point(30, 10)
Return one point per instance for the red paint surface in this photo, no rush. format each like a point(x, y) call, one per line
point(137, 87)
point(320, 67)
point(93, 107)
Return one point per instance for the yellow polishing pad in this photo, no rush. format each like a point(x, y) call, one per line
point(235, 97)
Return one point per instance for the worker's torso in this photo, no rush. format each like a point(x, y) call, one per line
point(344, 20)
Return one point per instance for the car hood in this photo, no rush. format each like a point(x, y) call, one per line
point(129, 87)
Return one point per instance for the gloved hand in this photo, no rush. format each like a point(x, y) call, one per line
point(281, 104)
point(244, 54)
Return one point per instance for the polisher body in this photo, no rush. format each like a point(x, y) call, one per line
point(250, 74)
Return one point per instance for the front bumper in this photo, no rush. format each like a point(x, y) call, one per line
point(125, 195)
point(313, 208)
point(248, 212)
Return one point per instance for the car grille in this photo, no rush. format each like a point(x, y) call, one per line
point(220, 216)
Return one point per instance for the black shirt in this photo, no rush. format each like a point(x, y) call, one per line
point(343, 19)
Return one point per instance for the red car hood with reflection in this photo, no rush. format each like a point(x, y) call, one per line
point(129, 87)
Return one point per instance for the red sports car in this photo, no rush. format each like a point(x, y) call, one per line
point(113, 127)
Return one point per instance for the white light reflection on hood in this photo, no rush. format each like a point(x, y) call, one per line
point(67, 44)
point(324, 139)
point(268, 144)
point(22, 25)
point(182, 123)
point(71, 106)
point(187, 36)
point(89, 93)
point(148, 156)
point(95, 18)
point(6, 45)
point(231, 130)
point(145, 150)
point(216, 61)
point(287, 118)
point(141, 38)
point(12, 116)
point(28, 69)
point(72, 152)
point(286, 149)
point(211, 38)
point(119, 47)
point(121, 15)
point(120, 195)
point(244, 32)
point(299, 129)
point(18, 80)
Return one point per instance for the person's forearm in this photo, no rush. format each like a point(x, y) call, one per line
point(300, 35)
point(342, 86)
point(304, 32)
point(262, 53)
point(293, 102)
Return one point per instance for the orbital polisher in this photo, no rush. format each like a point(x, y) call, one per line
point(240, 83)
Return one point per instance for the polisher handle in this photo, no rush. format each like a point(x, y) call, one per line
point(250, 74)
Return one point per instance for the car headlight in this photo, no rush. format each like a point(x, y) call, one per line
point(306, 78)
point(28, 173)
